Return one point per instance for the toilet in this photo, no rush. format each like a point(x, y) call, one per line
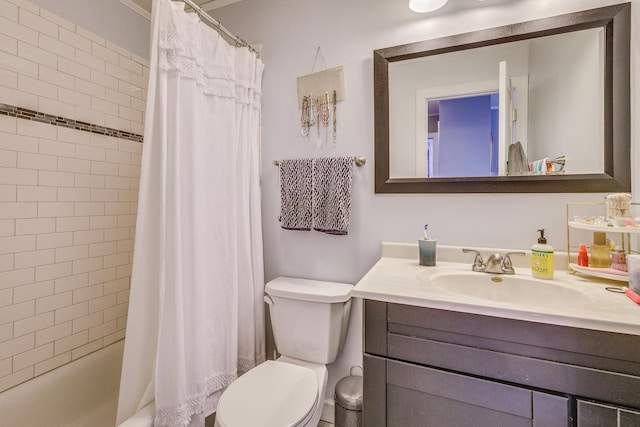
point(309, 320)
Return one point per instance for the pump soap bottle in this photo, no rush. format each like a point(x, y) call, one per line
point(542, 258)
point(427, 247)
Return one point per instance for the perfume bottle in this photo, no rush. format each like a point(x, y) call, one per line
point(600, 251)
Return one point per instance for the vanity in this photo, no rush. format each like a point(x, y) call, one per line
point(446, 346)
point(443, 347)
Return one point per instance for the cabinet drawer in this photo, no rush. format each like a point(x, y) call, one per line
point(574, 346)
point(446, 398)
point(456, 387)
point(555, 377)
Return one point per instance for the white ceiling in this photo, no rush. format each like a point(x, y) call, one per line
point(143, 7)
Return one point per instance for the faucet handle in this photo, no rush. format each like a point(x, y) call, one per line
point(478, 263)
point(507, 266)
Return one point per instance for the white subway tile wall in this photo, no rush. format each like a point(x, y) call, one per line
point(68, 197)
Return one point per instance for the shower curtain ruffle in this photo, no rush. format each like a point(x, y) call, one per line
point(196, 317)
point(248, 80)
point(182, 47)
point(178, 51)
point(180, 55)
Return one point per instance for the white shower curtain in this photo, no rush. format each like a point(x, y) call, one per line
point(195, 312)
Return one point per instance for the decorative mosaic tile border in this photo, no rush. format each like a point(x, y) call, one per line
point(36, 116)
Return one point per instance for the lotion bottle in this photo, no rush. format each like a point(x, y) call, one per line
point(542, 258)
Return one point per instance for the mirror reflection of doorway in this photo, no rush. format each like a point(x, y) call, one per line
point(463, 136)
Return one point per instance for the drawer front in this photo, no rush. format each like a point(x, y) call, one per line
point(460, 388)
point(418, 395)
point(555, 377)
point(594, 349)
point(375, 327)
point(408, 407)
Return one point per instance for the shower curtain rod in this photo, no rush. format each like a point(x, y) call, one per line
point(202, 14)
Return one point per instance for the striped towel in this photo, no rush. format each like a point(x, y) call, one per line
point(295, 194)
point(332, 178)
point(539, 167)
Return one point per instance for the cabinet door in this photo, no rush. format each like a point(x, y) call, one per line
point(592, 414)
point(629, 418)
point(550, 410)
point(420, 396)
point(374, 407)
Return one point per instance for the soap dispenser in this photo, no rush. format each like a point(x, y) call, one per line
point(427, 247)
point(542, 258)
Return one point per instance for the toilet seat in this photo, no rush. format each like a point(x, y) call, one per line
point(273, 394)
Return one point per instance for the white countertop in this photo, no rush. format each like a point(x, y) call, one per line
point(398, 278)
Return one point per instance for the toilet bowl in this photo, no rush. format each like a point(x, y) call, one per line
point(283, 392)
point(309, 320)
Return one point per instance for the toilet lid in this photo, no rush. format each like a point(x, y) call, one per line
point(273, 394)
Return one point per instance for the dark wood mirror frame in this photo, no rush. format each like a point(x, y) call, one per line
point(615, 19)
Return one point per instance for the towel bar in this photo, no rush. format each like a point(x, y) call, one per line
point(358, 160)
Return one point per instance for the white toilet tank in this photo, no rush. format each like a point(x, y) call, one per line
point(309, 317)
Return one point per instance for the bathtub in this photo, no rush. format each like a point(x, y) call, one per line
point(83, 393)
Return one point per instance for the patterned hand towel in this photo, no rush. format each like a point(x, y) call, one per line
point(295, 194)
point(332, 179)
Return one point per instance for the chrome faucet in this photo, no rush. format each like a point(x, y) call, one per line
point(478, 263)
point(496, 263)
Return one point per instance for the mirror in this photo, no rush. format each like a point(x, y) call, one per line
point(443, 104)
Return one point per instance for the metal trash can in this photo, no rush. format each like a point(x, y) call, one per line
point(348, 398)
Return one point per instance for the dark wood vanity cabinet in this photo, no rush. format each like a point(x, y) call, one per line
point(593, 414)
point(430, 367)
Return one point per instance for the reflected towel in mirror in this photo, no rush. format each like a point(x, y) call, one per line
point(517, 163)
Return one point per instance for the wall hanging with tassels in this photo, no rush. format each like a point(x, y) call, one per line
point(318, 94)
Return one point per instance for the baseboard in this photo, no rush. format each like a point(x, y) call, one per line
point(328, 411)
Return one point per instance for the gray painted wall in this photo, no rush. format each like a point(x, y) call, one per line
point(107, 18)
point(290, 32)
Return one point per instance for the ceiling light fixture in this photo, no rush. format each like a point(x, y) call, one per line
point(424, 6)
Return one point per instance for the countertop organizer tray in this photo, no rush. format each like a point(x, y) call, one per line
point(628, 238)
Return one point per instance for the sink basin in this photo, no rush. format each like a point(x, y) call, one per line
point(511, 289)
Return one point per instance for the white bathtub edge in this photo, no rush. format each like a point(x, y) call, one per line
point(82, 392)
point(142, 418)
